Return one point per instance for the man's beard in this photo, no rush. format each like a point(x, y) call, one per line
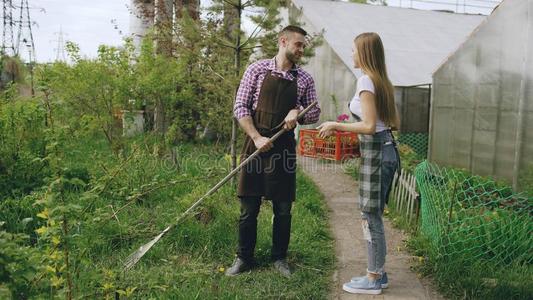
point(293, 58)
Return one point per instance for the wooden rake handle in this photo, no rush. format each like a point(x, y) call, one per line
point(243, 163)
point(137, 255)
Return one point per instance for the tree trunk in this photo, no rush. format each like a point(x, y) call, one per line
point(163, 25)
point(237, 26)
point(141, 20)
point(191, 6)
point(160, 123)
point(230, 20)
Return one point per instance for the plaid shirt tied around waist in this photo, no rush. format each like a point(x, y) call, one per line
point(370, 169)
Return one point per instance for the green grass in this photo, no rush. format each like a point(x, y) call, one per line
point(188, 262)
point(457, 278)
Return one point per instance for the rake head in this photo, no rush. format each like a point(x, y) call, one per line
point(137, 255)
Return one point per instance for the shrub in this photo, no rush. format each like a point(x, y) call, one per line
point(22, 146)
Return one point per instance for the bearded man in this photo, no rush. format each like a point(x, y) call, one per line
point(271, 92)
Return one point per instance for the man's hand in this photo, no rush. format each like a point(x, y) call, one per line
point(291, 119)
point(262, 143)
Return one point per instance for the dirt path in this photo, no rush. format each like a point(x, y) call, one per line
point(340, 191)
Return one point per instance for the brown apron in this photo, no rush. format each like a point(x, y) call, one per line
point(271, 174)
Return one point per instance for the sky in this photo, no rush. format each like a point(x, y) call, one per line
point(85, 22)
point(90, 23)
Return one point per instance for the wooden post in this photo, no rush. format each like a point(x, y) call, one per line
point(410, 199)
point(451, 206)
point(413, 198)
point(402, 191)
point(430, 121)
point(419, 204)
point(408, 193)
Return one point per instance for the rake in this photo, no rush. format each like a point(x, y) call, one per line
point(137, 255)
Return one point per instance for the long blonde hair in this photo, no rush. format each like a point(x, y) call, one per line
point(371, 56)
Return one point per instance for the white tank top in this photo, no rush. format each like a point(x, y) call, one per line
point(364, 83)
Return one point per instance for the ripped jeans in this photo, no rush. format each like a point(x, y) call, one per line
point(373, 230)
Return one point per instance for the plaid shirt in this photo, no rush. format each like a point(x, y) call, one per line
point(370, 172)
point(370, 177)
point(248, 93)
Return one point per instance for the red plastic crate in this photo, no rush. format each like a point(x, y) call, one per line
point(340, 146)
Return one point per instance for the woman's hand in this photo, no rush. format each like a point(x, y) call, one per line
point(327, 129)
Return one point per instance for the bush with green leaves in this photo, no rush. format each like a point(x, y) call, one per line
point(22, 144)
point(20, 264)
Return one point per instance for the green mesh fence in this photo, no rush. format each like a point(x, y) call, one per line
point(417, 141)
point(480, 232)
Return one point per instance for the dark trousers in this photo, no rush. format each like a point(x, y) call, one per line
point(281, 229)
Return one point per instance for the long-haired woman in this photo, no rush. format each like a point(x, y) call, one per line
point(375, 113)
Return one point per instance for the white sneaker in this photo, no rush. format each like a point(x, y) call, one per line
point(363, 286)
point(384, 280)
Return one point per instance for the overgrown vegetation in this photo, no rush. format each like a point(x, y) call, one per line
point(70, 236)
point(77, 197)
point(476, 234)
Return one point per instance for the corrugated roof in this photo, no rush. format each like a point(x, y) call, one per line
point(416, 41)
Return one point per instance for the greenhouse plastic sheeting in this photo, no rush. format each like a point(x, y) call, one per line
point(482, 99)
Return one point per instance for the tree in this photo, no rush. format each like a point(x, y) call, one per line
point(160, 14)
point(11, 71)
point(203, 63)
point(212, 52)
point(88, 93)
point(204, 46)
